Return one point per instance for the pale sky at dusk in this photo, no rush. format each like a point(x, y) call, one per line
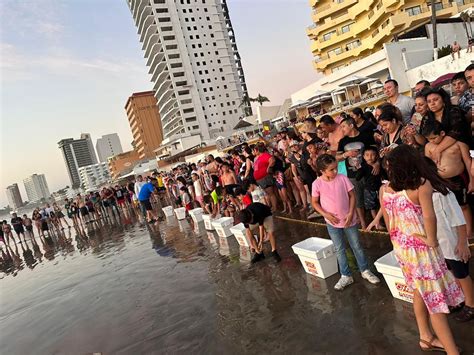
point(69, 66)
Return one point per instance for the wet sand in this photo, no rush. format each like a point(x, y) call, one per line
point(137, 289)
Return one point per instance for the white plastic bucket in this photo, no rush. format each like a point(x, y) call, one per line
point(196, 215)
point(392, 273)
point(223, 225)
point(239, 233)
point(168, 211)
point(180, 212)
point(318, 256)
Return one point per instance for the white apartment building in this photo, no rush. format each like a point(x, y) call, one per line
point(194, 64)
point(36, 187)
point(108, 146)
point(92, 176)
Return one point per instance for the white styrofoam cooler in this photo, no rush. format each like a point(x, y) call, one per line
point(168, 211)
point(180, 212)
point(207, 218)
point(239, 232)
point(318, 256)
point(222, 226)
point(245, 254)
point(392, 273)
point(196, 215)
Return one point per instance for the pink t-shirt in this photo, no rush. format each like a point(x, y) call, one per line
point(334, 197)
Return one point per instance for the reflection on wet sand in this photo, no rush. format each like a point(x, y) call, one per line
point(120, 285)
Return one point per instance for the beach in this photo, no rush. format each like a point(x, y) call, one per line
point(133, 288)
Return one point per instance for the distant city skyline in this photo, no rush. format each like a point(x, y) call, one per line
point(65, 71)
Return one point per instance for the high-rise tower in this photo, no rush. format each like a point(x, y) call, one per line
point(194, 64)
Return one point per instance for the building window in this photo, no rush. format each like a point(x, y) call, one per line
point(334, 52)
point(159, 1)
point(173, 56)
point(346, 28)
point(181, 83)
point(167, 28)
point(164, 19)
point(413, 11)
point(171, 46)
point(161, 10)
point(327, 36)
point(438, 5)
point(169, 38)
point(177, 75)
point(353, 44)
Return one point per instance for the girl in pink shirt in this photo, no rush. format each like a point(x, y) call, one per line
point(333, 197)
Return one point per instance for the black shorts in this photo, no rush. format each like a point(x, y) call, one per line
point(29, 228)
point(460, 190)
point(371, 199)
point(459, 269)
point(84, 211)
point(230, 189)
point(60, 214)
point(44, 226)
point(19, 230)
point(147, 205)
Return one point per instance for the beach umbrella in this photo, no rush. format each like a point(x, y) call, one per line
point(353, 80)
point(442, 80)
point(369, 80)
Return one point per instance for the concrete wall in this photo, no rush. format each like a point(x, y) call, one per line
point(433, 70)
point(405, 55)
point(448, 33)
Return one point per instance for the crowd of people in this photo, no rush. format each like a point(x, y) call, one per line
point(406, 167)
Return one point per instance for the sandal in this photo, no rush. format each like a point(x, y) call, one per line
point(466, 314)
point(430, 346)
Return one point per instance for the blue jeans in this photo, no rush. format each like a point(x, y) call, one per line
point(352, 234)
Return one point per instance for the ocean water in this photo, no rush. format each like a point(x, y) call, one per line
point(125, 287)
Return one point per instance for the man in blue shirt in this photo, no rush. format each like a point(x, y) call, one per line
point(144, 197)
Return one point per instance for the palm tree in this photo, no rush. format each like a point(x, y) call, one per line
point(435, 32)
point(246, 104)
point(260, 99)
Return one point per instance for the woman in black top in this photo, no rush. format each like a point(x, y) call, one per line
point(363, 125)
point(451, 117)
point(390, 120)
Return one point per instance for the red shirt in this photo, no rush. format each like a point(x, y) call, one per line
point(260, 166)
point(247, 200)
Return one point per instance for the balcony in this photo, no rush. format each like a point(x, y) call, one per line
point(161, 78)
point(168, 104)
point(146, 12)
point(159, 70)
point(137, 6)
point(167, 119)
point(150, 28)
point(153, 50)
point(164, 86)
point(331, 9)
point(163, 98)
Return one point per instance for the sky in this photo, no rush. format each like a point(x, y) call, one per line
point(68, 67)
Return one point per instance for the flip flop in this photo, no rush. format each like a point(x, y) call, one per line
point(430, 346)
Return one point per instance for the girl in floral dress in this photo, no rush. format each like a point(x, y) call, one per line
point(410, 218)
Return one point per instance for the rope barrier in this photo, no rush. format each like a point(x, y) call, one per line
point(320, 224)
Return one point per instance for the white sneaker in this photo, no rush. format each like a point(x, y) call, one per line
point(343, 282)
point(369, 276)
point(314, 215)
